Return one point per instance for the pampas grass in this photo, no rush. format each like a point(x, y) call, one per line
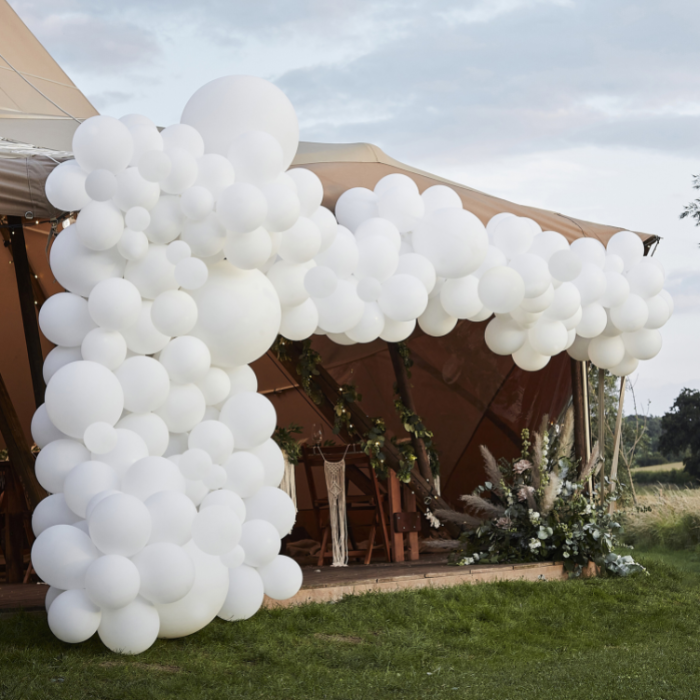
point(591, 464)
point(481, 505)
point(493, 472)
point(672, 522)
point(454, 516)
point(550, 493)
point(566, 435)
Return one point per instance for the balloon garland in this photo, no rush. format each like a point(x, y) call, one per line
point(193, 249)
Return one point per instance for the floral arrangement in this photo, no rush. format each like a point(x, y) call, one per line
point(538, 507)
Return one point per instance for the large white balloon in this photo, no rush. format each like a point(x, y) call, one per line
point(145, 383)
point(120, 524)
point(501, 289)
point(73, 618)
point(112, 581)
point(245, 595)
point(131, 629)
point(282, 578)
point(61, 555)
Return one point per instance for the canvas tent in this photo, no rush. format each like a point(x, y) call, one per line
point(464, 393)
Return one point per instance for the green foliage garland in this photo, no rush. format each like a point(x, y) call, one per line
point(284, 437)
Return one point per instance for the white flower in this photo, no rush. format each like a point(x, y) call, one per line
point(434, 522)
point(534, 516)
point(534, 544)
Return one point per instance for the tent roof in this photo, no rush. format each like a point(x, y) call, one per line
point(39, 103)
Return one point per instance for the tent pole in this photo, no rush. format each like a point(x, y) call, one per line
point(601, 429)
point(27, 305)
point(579, 405)
point(403, 386)
point(618, 436)
point(18, 449)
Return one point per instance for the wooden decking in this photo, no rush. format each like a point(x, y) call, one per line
point(328, 584)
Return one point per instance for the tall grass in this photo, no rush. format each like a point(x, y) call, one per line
point(668, 517)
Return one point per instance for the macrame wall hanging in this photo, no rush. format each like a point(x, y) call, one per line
point(335, 484)
point(289, 480)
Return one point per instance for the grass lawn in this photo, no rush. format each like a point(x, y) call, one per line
point(601, 638)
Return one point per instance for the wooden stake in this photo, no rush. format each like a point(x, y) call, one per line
point(579, 404)
point(394, 489)
point(28, 307)
point(18, 449)
point(601, 429)
point(404, 388)
point(618, 435)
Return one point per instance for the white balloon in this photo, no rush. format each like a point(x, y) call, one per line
point(227, 498)
point(540, 303)
point(174, 313)
point(172, 515)
point(402, 206)
point(454, 241)
point(137, 218)
point(319, 281)
point(42, 429)
point(369, 289)
point(183, 408)
point(503, 336)
point(567, 299)
point(234, 558)
point(150, 428)
point(58, 357)
point(102, 142)
point(215, 385)
point(112, 581)
point(501, 289)
point(434, 321)
point(256, 157)
point(239, 315)
point(101, 185)
point(403, 298)
point(166, 570)
point(355, 206)
point(513, 235)
point(61, 555)
point(370, 325)
point(591, 283)
point(342, 310)
point(183, 136)
point(460, 297)
point(64, 319)
point(194, 463)
point(242, 379)
point(134, 190)
point(628, 365)
point(65, 186)
point(535, 274)
point(283, 206)
point(327, 225)
point(77, 268)
point(589, 250)
point(396, 331)
point(230, 106)
point(593, 321)
point(645, 278)
point(579, 349)
point(82, 393)
point(183, 171)
point(52, 510)
point(659, 311)
point(274, 506)
point(628, 246)
point(186, 359)
point(282, 578)
point(191, 273)
point(273, 461)
point(617, 289)
point(131, 629)
point(342, 255)
point(606, 352)
point(565, 265)
point(631, 315)
point(527, 358)
point(114, 304)
point(440, 197)
point(153, 274)
point(299, 322)
point(73, 618)
point(245, 474)
point(145, 383)
point(150, 475)
point(86, 480)
point(643, 344)
point(378, 258)
point(548, 337)
point(216, 530)
point(246, 592)
point(309, 189)
point(547, 243)
point(614, 263)
point(129, 448)
point(133, 245)
point(260, 541)
point(143, 337)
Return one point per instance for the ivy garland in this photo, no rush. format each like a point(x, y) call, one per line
point(374, 440)
point(284, 437)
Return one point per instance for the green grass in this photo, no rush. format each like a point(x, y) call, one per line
point(659, 468)
point(595, 639)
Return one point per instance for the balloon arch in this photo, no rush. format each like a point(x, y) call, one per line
point(193, 249)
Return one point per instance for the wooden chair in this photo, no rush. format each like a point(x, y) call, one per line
point(372, 498)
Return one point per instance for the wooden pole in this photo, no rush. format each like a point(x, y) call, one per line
point(618, 435)
point(579, 404)
point(28, 307)
point(18, 449)
point(403, 386)
point(601, 429)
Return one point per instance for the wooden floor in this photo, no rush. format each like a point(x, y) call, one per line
point(328, 584)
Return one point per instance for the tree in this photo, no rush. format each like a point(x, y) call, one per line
point(680, 430)
point(693, 209)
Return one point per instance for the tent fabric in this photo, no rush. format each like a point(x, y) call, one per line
point(39, 103)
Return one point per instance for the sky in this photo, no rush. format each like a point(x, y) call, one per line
point(586, 107)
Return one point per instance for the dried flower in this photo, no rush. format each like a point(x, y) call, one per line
point(522, 465)
point(503, 523)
